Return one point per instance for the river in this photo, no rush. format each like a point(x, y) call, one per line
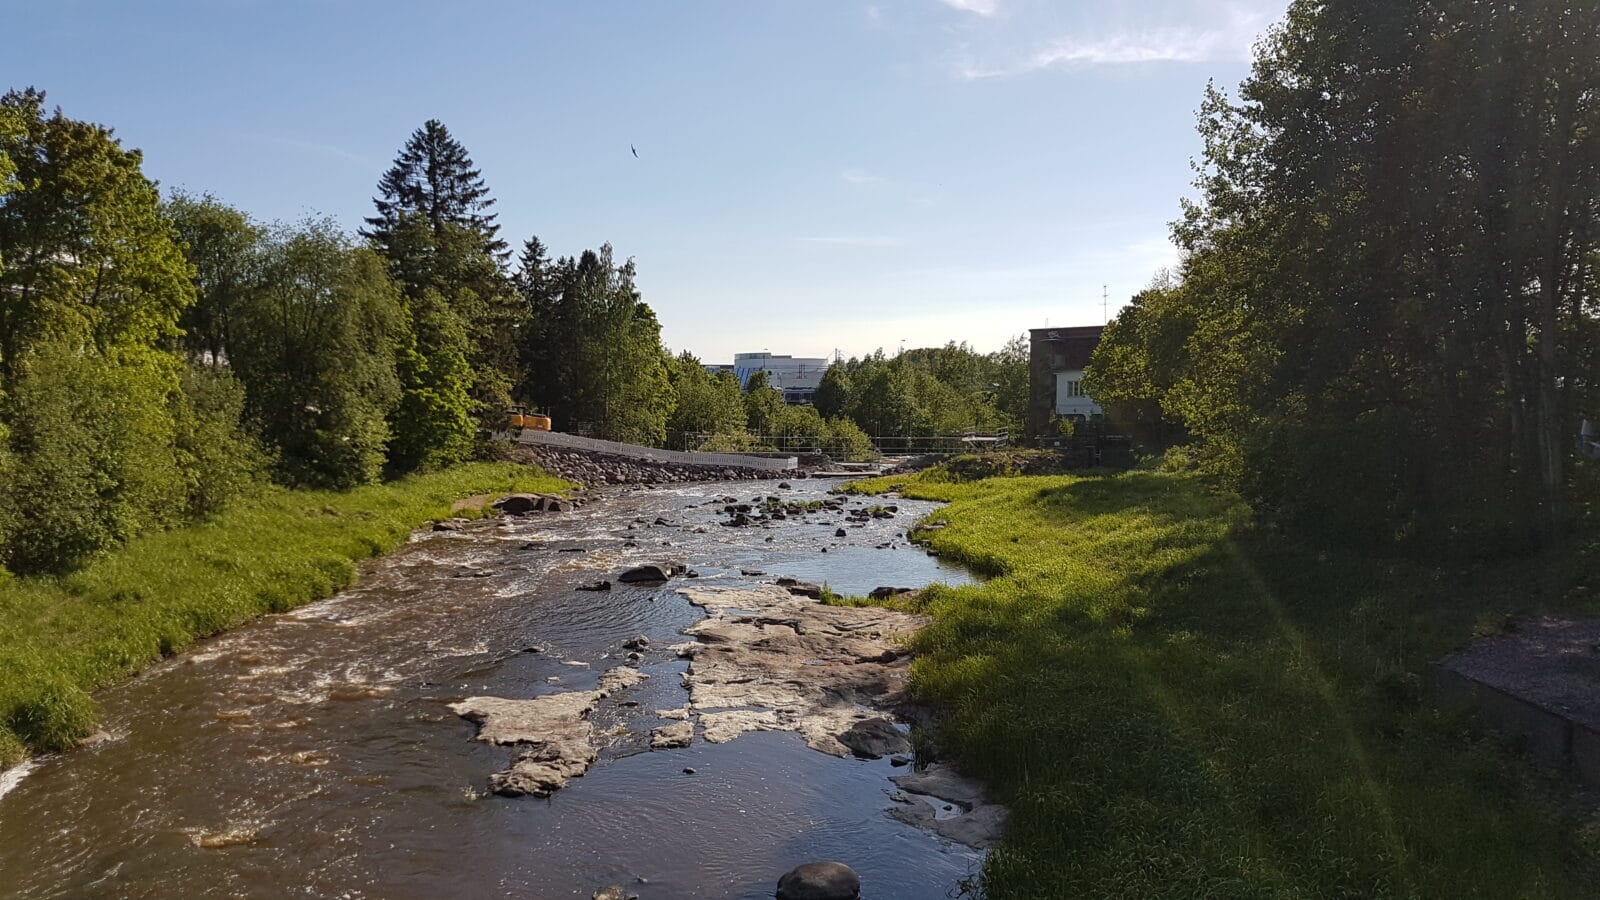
point(313, 754)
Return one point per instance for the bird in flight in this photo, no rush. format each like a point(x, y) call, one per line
point(635, 151)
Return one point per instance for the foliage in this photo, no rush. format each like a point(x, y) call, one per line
point(315, 346)
point(592, 347)
point(63, 637)
point(218, 459)
point(1392, 232)
point(731, 442)
point(225, 249)
point(435, 226)
point(762, 403)
point(924, 392)
point(432, 426)
point(706, 403)
point(90, 474)
point(833, 393)
point(98, 428)
point(435, 178)
point(844, 440)
point(90, 260)
point(1175, 703)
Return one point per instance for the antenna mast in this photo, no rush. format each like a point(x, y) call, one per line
point(1105, 303)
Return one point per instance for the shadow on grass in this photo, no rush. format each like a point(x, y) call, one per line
point(1176, 703)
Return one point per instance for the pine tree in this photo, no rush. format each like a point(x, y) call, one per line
point(435, 178)
point(435, 227)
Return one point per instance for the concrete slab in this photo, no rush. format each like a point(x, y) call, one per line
point(1540, 680)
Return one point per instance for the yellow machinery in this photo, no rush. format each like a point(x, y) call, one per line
point(521, 419)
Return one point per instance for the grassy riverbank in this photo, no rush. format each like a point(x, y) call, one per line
point(1177, 703)
point(61, 638)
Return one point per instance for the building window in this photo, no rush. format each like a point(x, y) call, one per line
point(1073, 388)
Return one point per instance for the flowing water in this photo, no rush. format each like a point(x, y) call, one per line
point(312, 754)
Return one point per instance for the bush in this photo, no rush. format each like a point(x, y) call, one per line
point(843, 439)
point(96, 462)
point(219, 459)
point(55, 715)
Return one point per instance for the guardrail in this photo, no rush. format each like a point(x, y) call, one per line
point(654, 454)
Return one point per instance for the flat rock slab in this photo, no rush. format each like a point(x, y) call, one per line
point(769, 660)
point(979, 823)
point(671, 737)
point(556, 726)
point(1540, 680)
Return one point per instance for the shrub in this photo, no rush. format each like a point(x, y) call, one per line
point(219, 459)
point(843, 439)
point(96, 462)
point(55, 715)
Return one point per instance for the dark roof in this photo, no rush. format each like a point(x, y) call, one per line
point(1072, 346)
point(1077, 331)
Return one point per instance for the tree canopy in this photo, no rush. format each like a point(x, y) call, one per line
point(1385, 321)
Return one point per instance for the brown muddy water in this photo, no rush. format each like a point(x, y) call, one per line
point(313, 754)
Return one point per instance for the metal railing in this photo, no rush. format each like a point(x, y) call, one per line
point(655, 454)
point(795, 443)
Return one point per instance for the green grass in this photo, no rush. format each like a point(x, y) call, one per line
point(1177, 703)
point(60, 638)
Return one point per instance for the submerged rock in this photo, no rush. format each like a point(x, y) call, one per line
point(671, 737)
point(648, 574)
point(614, 892)
point(819, 881)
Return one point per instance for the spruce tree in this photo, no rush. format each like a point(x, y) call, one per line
point(435, 227)
point(434, 177)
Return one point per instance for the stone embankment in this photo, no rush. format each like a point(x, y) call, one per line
point(590, 468)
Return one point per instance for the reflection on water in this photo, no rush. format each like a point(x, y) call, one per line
point(312, 754)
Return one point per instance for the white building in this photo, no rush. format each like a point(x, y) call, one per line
point(797, 377)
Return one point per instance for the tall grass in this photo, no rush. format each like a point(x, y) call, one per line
point(1175, 703)
point(60, 638)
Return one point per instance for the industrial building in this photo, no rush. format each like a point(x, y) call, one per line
point(1057, 359)
point(797, 377)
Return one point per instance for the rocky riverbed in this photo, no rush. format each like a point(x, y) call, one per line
point(688, 736)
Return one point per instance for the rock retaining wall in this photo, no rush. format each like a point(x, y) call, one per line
point(590, 468)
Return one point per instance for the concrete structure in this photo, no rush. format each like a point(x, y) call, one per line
point(1535, 681)
point(797, 377)
point(1056, 361)
point(655, 454)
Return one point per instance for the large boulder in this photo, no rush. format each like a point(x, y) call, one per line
point(874, 739)
point(520, 504)
point(647, 574)
point(801, 588)
point(819, 881)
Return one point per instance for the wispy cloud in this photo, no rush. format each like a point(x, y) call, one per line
point(313, 147)
point(981, 7)
point(1229, 41)
point(861, 177)
point(866, 241)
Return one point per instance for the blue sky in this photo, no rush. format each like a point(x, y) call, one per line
point(811, 177)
